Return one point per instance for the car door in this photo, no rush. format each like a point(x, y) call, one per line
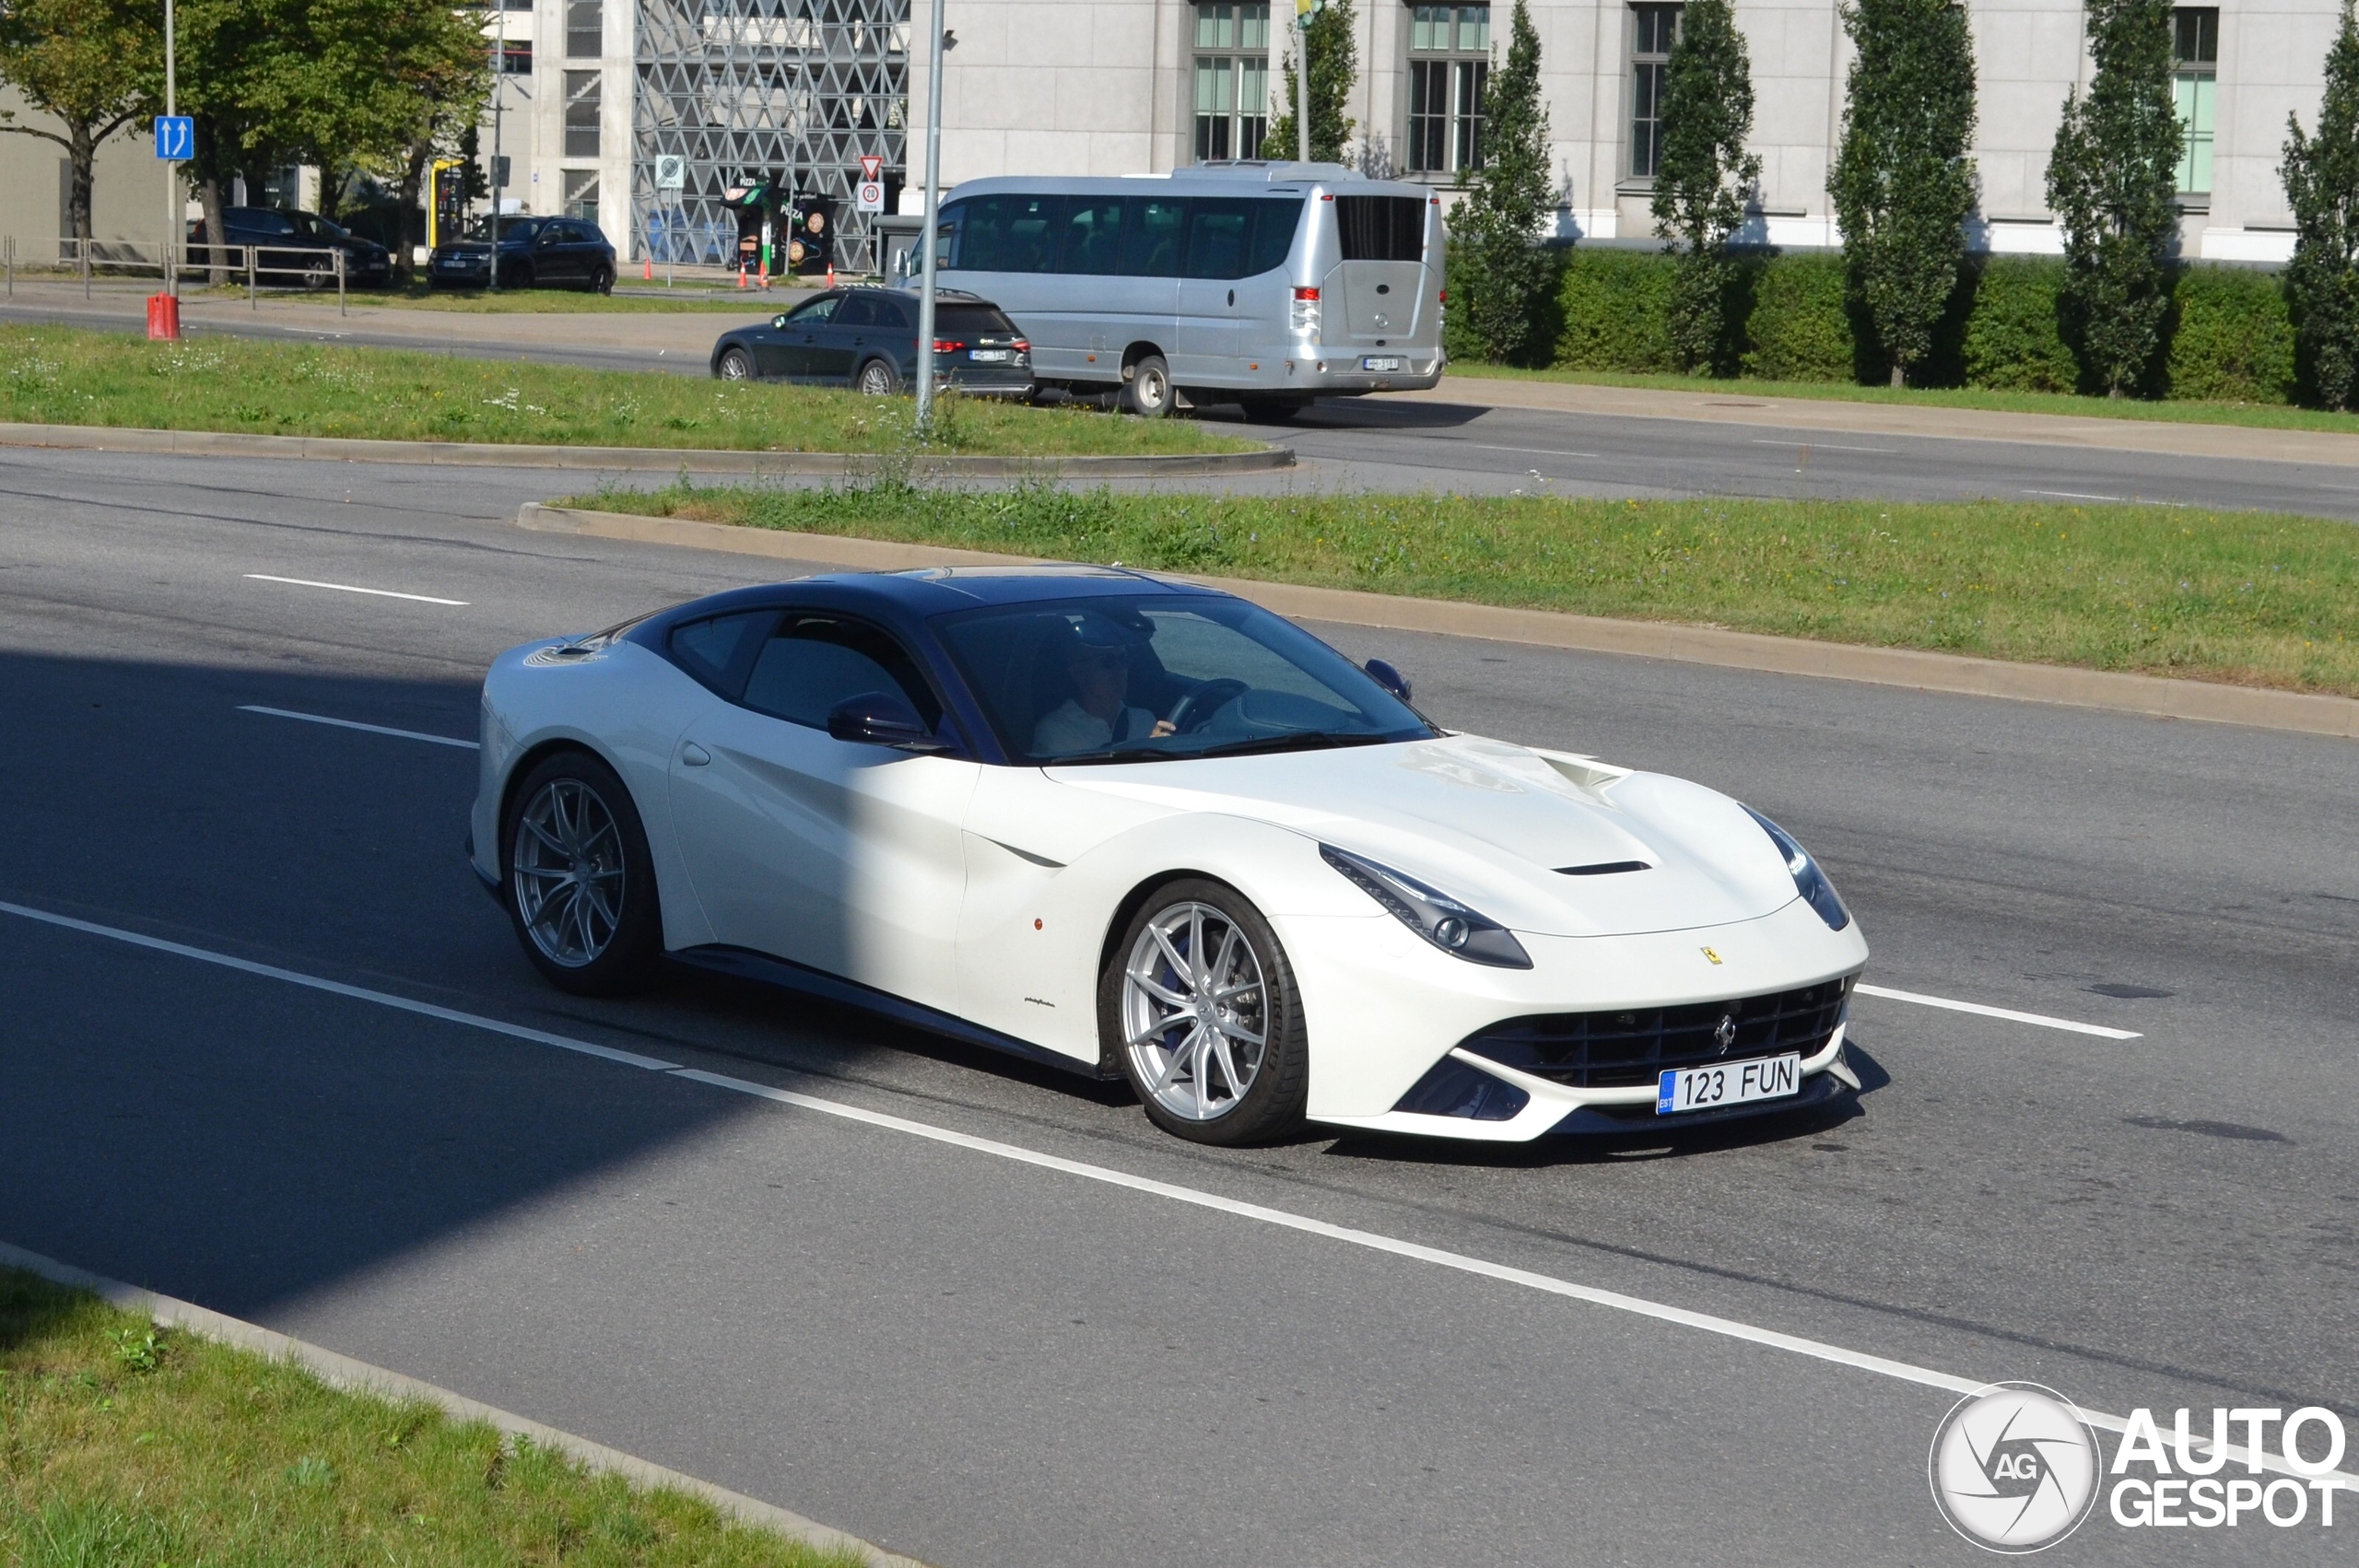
point(846, 338)
point(550, 255)
point(797, 346)
point(840, 856)
point(1203, 350)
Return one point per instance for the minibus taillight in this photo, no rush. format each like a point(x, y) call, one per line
point(1306, 294)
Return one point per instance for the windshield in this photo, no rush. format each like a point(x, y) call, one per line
point(318, 227)
point(1157, 678)
point(509, 229)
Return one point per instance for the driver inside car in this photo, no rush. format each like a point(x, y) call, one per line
point(1098, 662)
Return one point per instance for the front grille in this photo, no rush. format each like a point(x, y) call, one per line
point(1619, 1049)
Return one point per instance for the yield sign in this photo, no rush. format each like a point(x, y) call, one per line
point(872, 166)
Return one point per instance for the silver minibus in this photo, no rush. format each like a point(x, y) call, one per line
point(1256, 283)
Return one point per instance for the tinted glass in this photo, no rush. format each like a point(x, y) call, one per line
point(858, 311)
point(974, 320)
point(1274, 223)
point(1381, 228)
point(1152, 233)
point(1084, 682)
point(1218, 229)
point(708, 648)
point(1010, 233)
point(815, 663)
point(509, 229)
point(891, 312)
point(817, 312)
point(1093, 236)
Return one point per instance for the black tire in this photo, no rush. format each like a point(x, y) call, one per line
point(734, 365)
point(602, 280)
point(877, 378)
point(597, 934)
point(1278, 1087)
point(1266, 411)
point(1146, 392)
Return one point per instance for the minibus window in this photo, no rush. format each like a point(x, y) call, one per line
point(945, 244)
point(1216, 233)
point(1274, 225)
point(1093, 236)
point(1151, 243)
point(1381, 228)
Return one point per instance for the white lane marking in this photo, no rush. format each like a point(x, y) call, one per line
point(347, 588)
point(2073, 495)
point(356, 724)
point(2008, 1013)
point(1487, 447)
point(1728, 1327)
point(1826, 447)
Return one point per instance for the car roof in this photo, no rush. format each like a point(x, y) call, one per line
point(934, 590)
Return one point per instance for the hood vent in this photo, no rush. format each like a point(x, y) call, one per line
point(1603, 867)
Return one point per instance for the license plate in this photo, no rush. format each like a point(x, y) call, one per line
point(1728, 1083)
point(1381, 362)
point(992, 355)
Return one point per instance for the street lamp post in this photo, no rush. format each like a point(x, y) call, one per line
point(933, 219)
point(499, 109)
point(171, 171)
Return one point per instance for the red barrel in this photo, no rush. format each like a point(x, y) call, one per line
point(164, 316)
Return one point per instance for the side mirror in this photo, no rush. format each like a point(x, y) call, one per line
point(881, 718)
point(778, 323)
point(1387, 677)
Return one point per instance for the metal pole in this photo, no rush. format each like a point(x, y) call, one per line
point(499, 113)
point(339, 282)
point(171, 174)
point(254, 293)
point(933, 219)
point(1302, 92)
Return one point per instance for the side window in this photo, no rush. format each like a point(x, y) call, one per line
point(1093, 236)
point(889, 312)
point(1274, 223)
point(709, 649)
point(978, 236)
point(945, 244)
point(859, 310)
point(816, 313)
point(1151, 246)
point(1216, 233)
point(1029, 233)
point(816, 661)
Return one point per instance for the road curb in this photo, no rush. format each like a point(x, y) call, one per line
point(2152, 696)
point(342, 1371)
point(659, 460)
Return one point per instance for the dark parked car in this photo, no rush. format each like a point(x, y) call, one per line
point(867, 339)
point(295, 248)
point(566, 253)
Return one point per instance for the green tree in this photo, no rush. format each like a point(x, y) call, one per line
point(1501, 265)
point(1903, 185)
point(2321, 179)
point(1704, 176)
point(2110, 179)
point(1334, 60)
point(94, 65)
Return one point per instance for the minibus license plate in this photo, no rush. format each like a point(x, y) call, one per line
point(1381, 362)
point(992, 355)
point(1728, 1083)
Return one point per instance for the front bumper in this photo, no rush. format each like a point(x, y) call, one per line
point(1383, 1007)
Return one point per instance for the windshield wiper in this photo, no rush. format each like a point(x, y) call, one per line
point(1300, 741)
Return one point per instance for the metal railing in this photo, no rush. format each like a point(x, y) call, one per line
point(309, 271)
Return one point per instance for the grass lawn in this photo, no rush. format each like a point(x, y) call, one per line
point(125, 1447)
point(630, 297)
point(2243, 596)
point(2263, 415)
point(69, 376)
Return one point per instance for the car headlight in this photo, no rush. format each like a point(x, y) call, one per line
point(1440, 919)
point(1809, 881)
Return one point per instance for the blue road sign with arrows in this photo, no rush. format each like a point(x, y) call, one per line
point(175, 138)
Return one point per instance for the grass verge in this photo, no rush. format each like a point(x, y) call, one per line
point(126, 1446)
point(2257, 415)
point(632, 298)
point(70, 376)
point(2249, 598)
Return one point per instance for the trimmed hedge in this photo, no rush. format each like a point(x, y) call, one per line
point(2230, 338)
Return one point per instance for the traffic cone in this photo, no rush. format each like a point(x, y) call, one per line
point(832, 275)
point(647, 267)
point(741, 276)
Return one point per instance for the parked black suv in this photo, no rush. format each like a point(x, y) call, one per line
point(569, 252)
point(867, 339)
point(295, 248)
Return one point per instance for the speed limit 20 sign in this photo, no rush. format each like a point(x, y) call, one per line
point(868, 196)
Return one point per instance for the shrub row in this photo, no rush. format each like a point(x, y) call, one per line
point(2228, 339)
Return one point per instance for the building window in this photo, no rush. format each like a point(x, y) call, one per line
point(1232, 80)
point(1449, 68)
point(585, 30)
point(1653, 30)
point(581, 195)
point(2195, 66)
point(582, 114)
point(516, 58)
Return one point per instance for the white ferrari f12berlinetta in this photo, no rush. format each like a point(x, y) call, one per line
point(1133, 826)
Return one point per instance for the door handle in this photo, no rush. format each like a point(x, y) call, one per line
point(693, 754)
point(1232, 297)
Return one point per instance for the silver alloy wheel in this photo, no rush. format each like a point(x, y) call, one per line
point(735, 367)
point(876, 378)
point(1195, 1012)
point(567, 861)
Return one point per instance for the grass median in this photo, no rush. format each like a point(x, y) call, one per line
point(630, 299)
point(2248, 598)
point(122, 1444)
point(2256, 416)
point(69, 376)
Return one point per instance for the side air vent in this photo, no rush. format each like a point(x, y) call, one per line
point(1603, 867)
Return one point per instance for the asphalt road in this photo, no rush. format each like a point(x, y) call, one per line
point(1468, 448)
point(980, 1359)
